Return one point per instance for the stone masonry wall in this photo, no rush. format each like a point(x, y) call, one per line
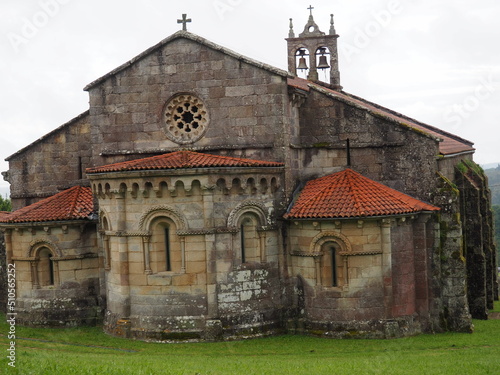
point(245, 104)
point(380, 149)
point(54, 163)
point(449, 308)
point(73, 298)
point(480, 251)
point(375, 296)
point(403, 269)
point(209, 293)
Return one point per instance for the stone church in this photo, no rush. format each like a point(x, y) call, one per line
point(208, 196)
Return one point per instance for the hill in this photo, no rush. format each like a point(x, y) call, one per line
point(494, 182)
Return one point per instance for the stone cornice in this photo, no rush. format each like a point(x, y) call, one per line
point(182, 172)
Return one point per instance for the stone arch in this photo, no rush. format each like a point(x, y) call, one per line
point(331, 264)
point(163, 211)
point(329, 236)
point(165, 249)
point(135, 190)
point(256, 208)
point(104, 222)
point(195, 187)
point(301, 51)
point(162, 189)
point(37, 245)
point(107, 190)
point(44, 270)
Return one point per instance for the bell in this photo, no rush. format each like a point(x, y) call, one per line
point(323, 63)
point(302, 64)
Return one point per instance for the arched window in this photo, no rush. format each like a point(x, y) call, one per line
point(45, 267)
point(165, 251)
point(105, 241)
point(332, 268)
point(249, 239)
point(104, 223)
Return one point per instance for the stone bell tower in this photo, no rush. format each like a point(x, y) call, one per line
point(314, 51)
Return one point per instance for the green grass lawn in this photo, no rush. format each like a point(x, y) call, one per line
point(89, 351)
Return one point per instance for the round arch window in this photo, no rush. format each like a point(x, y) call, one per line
point(186, 118)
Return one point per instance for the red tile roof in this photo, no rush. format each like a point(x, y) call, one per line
point(4, 215)
point(182, 159)
point(348, 194)
point(75, 203)
point(451, 144)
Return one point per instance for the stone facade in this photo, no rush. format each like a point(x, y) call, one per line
point(57, 274)
point(205, 251)
point(205, 276)
point(37, 171)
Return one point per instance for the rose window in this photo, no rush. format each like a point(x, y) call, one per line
point(186, 119)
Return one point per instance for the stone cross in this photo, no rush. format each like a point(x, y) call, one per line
point(184, 21)
point(311, 9)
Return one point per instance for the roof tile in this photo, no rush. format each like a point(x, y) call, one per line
point(348, 194)
point(75, 203)
point(182, 159)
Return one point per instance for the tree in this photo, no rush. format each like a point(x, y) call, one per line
point(5, 204)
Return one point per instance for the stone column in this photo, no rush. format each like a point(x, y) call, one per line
point(262, 247)
point(124, 305)
point(55, 264)
point(8, 246)
point(34, 274)
point(385, 229)
point(183, 254)
point(211, 242)
point(107, 255)
point(212, 304)
point(147, 258)
point(317, 266)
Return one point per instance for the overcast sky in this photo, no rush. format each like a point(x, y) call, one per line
point(434, 60)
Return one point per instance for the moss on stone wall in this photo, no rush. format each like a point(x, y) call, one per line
point(479, 246)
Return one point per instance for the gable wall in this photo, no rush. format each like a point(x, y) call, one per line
point(245, 104)
point(53, 164)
